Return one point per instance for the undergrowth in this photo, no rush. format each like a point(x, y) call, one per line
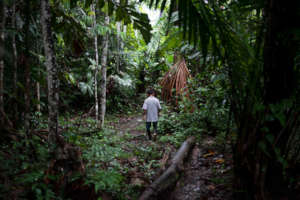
point(114, 164)
point(203, 111)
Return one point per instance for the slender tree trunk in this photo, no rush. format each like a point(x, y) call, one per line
point(38, 95)
point(103, 76)
point(52, 73)
point(27, 72)
point(141, 74)
point(123, 29)
point(38, 84)
point(2, 49)
point(118, 57)
point(27, 97)
point(15, 63)
point(96, 67)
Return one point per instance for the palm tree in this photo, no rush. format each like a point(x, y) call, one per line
point(263, 82)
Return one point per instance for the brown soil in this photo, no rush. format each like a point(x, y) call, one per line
point(130, 124)
point(206, 176)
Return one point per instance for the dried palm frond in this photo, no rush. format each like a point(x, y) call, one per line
point(175, 78)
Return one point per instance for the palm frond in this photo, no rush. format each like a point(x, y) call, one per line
point(176, 78)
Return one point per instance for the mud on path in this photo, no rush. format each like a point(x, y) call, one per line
point(207, 172)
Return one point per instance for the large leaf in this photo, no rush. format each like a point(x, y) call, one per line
point(73, 3)
point(129, 14)
point(88, 3)
point(140, 21)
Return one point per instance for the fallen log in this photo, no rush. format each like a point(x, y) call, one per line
point(164, 160)
point(171, 175)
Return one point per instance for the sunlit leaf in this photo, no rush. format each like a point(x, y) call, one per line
point(220, 161)
point(210, 153)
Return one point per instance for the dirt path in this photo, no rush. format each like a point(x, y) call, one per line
point(189, 186)
point(203, 166)
point(132, 124)
point(199, 181)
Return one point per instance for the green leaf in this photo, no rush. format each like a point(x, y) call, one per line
point(83, 87)
point(270, 138)
point(145, 31)
point(120, 14)
point(163, 5)
point(73, 3)
point(110, 8)
point(262, 145)
point(195, 55)
point(92, 61)
point(88, 3)
point(101, 3)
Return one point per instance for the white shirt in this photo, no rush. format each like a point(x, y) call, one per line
point(152, 105)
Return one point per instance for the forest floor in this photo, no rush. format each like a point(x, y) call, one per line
point(118, 162)
point(207, 171)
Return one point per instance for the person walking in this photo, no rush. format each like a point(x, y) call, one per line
point(151, 109)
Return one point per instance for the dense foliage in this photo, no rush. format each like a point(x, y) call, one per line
point(241, 60)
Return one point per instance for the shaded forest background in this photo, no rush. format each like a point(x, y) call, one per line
point(70, 69)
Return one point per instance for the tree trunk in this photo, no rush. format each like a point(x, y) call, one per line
point(27, 72)
point(141, 86)
point(280, 50)
point(15, 64)
point(2, 49)
point(259, 172)
point(103, 75)
point(38, 96)
point(27, 95)
point(171, 175)
point(123, 30)
point(97, 65)
point(118, 57)
point(52, 73)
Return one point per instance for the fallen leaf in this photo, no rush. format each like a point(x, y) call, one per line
point(210, 153)
point(220, 161)
point(211, 187)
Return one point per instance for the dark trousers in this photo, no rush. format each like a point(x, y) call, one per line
point(148, 126)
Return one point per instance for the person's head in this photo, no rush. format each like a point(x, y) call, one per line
point(150, 92)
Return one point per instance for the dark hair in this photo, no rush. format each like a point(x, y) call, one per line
point(150, 91)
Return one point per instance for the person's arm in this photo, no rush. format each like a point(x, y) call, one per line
point(145, 114)
point(159, 107)
point(145, 111)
